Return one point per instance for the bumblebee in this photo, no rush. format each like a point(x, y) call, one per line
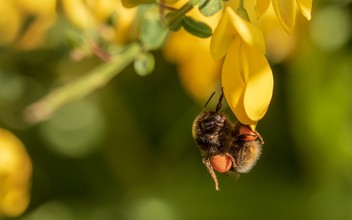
point(224, 146)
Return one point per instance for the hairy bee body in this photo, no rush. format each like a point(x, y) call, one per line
point(224, 146)
point(246, 155)
point(213, 133)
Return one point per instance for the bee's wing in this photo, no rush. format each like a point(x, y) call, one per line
point(233, 174)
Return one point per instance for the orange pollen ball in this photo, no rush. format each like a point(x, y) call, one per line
point(221, 163)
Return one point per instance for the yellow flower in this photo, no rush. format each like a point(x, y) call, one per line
point(78, 13)
point(92, 15)
point(15, 174)
point(10, 22)
point(198, 72)
point(18, 29)
point(280, 46)
point(246, 75)
point(36, 33)
point(285, 10)
point(37, 7)
point(13, 16)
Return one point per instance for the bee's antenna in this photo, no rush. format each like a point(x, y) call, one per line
point(209, 99)
point(219, 105)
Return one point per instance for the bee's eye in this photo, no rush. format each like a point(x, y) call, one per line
point(208, 124)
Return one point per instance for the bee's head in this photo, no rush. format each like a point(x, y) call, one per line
point(208, 122)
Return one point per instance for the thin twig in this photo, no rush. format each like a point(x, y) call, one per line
point(44, 108)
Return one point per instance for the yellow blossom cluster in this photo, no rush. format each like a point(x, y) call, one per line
point(91, 16)
point(198, 71)
point(285, 10)
point(246, 74)
point(25, 23)
point(15, 175)
point(237, 46)
point(39, 14)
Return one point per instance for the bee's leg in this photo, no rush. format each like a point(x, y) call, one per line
point(233, 173)
point(252, 137)
point(245, 133)
point(207, 163)
point(249, 137)
point(232, 160)
point(259, 136)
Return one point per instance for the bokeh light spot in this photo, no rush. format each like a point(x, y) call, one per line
point(76, 130)
point(331, 28)
point(52, 210)
point(11, 87)
point(150, 209)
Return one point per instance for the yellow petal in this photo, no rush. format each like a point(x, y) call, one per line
point(249, 33)
point(229, 27)
point(306, 7)
point(253, 126)
point(233, 82)
point(125, 19)
point(15, 201)
point(78, 13)
point(285, 11)
point(241, 114)
point(35, 34)
point(15, 175)
point(259, 86)
point(261, 7)
point(200, 75)
point(102, 10)
point(168, 2)
point(232, 79)
point(222, 38)
point(10, 22)
point(37, 7)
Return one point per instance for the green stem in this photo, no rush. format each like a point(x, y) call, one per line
point(82, 86)
point(98, 77)
point(241, 5)
point(179, 14)
point(242, 12)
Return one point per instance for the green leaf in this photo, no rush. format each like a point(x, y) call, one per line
point(144, 64)
point(134, 3)
point(152, 34)
point(209, 7)
point(176, 24)
point(152, 31)
point(196, 28)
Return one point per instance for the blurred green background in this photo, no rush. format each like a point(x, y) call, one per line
point(126, 151)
